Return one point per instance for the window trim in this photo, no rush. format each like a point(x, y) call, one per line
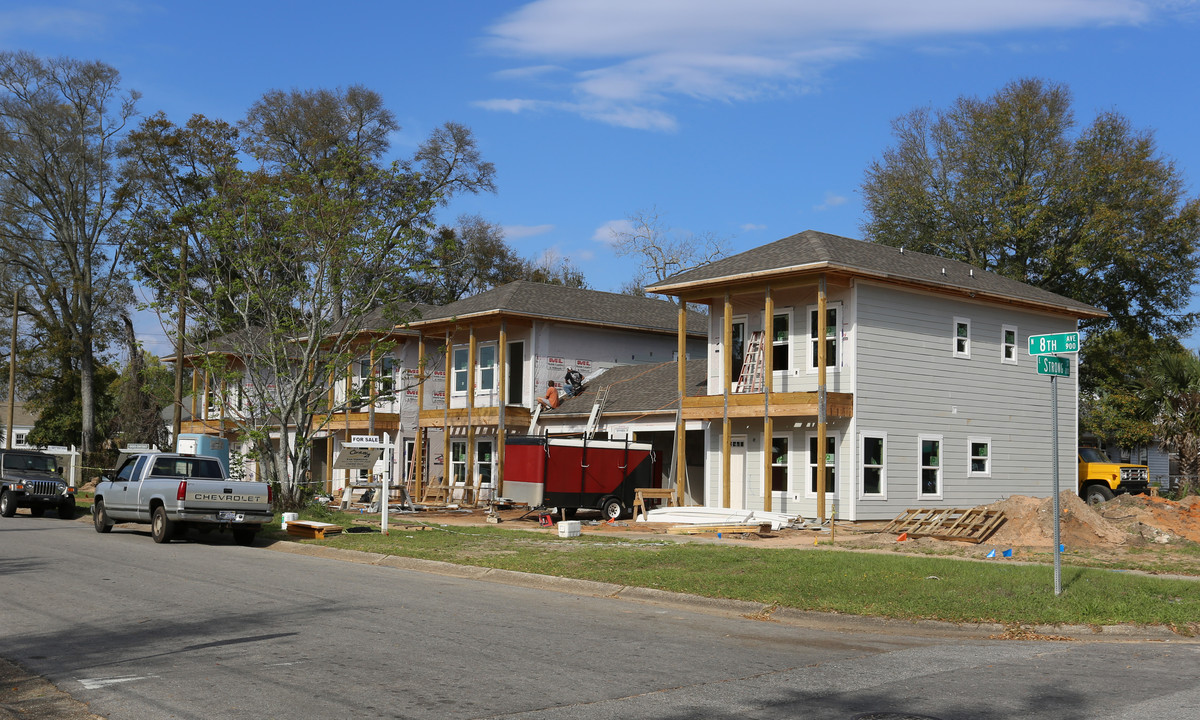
point(965, 354)
point(941, 467)
point(971, 472)
point(455, 370)
point(862, 466)
point(453, 464)
point(1005, 345)
point(810, 465)
point(811, 340)
point(788, 313)
point(480, 369)
point(791, 463)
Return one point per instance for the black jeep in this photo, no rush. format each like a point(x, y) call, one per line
point(33, 480)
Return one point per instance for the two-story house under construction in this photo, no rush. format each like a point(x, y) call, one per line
point(850, 377)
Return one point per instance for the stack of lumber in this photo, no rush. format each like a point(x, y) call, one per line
point(312, 529)
point(761, 529)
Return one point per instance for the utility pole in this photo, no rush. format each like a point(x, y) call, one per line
point(12, 371)
point(180, 329)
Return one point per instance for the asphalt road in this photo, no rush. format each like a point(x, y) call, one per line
point(203, 628)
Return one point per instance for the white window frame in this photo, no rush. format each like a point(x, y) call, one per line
point(987, 459)
point(480, 388)
point(811, 340)
point(453, 464)
point(810, 465)
point(940, 467)
point(789, 465)
point(490, 464)
point(20, 439)
point(863, 466)
point(1009, 352)
point(455, 371)
point(785, 312)
point(961, 345)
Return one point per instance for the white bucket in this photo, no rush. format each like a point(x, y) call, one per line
point(287, 518)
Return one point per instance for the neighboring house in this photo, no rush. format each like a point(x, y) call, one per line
point(376, 396)
point(929, 396)
point(23, 422)
point(503, 346)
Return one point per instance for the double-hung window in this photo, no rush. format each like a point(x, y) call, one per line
point(833, 336)
point(781, 342)
point(781, 464)
point(461, 357)
point(931, 466)
point(874, 474)
point(962, 338)
point(1008, 345)
point(979, 452)
point(485, 370)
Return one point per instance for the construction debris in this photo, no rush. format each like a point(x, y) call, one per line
point(760, 529)
point(972, 525)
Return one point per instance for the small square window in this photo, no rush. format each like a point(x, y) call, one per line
point(980, 452)
point(1008, 345)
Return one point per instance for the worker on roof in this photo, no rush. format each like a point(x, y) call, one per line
point(550, 399)
point(573, 383)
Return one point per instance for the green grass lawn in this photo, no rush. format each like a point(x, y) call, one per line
point(820, 579)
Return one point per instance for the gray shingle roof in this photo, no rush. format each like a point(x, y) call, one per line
point(638, 389)
point(811, 251)
point(556, 302)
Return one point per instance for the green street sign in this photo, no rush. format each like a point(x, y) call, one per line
point(1056, 366)
point(1067, 342)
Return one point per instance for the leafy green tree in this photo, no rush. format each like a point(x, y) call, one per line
point(60, 200)
point(472, 257)
point(1005, 183)
point(313, 239)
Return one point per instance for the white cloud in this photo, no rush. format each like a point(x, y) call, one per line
point(517, 232)
point(623, 60)
point(751, 227)
point(831, 201)
point(605, 232)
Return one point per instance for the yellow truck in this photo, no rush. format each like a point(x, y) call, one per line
point(1101, 479)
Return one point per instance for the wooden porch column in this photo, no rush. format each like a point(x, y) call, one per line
point(418, 461)
point(471, 369)
point(768, 387)
point(822, 395)
point(446, 417)
point(501, 401)
point(680, 425)
point(727, 382)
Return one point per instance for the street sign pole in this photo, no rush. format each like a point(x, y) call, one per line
point(1054, 449)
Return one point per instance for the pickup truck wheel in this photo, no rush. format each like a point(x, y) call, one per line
point(244, 536)
point(161, 527)
point(8, 504)
point(1096, 494)
point(612, 509)
point(100, 518)
point(66, 509)
point(37, 511)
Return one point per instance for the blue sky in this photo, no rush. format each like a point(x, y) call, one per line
point(751, 120)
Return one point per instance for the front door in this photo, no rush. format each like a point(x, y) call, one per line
point(737, 472)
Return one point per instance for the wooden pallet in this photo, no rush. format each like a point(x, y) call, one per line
point(972, 525)
point(312, 530)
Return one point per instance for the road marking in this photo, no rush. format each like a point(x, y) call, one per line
point(94, 683)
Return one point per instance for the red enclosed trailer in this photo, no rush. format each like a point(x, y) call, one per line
point(571, 473)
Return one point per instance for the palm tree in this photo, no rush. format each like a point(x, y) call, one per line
point(1169, 392)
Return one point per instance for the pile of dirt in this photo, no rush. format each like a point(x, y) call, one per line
point(1029, 522)
point(1153, 518)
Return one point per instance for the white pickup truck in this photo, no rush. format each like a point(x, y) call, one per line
point(173, 492)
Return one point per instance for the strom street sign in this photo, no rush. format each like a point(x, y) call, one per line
point(1055, 366)
point(1067, 342)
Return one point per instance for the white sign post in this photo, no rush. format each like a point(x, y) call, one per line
point(1039, 347)
point(362, 453)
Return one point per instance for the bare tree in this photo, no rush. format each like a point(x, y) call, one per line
point(60, 200)
point(661, 251)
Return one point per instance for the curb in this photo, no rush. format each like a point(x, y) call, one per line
point(742, 608)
